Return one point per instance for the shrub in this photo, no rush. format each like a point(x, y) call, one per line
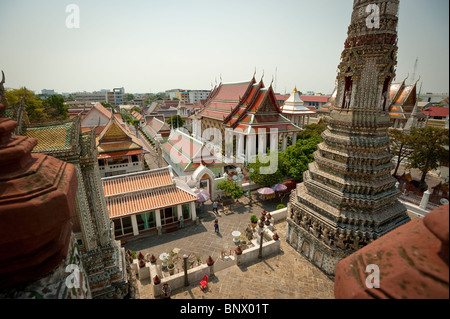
point(254, 219)
point(280, 206)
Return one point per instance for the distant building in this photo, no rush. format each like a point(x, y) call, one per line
point(195, 96)
point(435, 98)
point(90, 97)
point(115, 97)
point(48, 92)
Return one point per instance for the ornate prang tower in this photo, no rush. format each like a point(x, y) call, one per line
point(348, 197)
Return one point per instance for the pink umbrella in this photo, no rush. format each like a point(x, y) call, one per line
point(279, 187)
point(202, 195)
point(266, 191)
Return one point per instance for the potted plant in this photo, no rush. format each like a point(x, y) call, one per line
point(254, 220)
point(171, 262)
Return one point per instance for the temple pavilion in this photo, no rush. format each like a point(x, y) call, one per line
point(244, 113)
point(295, 110)
point(403, 105)
point(119, 152)
point(147, 201)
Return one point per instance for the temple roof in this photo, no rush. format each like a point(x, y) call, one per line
point(55, 137)
point(188, 153)
point(114, 138)
point(243, 105)
point(294, 105)
point(143, 192)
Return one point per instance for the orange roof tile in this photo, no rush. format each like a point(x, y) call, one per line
point(147, 201)
point(143, 192)
point(136, 182)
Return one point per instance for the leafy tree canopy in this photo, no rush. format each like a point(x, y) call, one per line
point(175, 121)
point(428, 145)
point(39, 111)
point(230, 189)
point(266, 174)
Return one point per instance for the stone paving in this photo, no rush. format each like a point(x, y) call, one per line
point(286, 275)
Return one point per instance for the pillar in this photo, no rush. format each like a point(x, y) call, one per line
point(283, 147)
point(134, 224)
point(192, 209)
point(425, 199)
point(179, 211)
point(158, 221)
point(241, 145)
point(274, 141)
point(294, 139)
point(262, 145)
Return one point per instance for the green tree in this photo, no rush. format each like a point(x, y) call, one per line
point(33, 105)
point(107, 105)
point(56, 106)
point(230, 189)
point(294, 160)
point(175, 121)
point(136, 125)
point(399, 146)
point(428, 145)
point(129, 97)
point(260, 176)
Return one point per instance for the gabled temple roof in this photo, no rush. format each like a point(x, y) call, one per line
point(243, 105)
point(188, 153)
point(114, 138)
point(143, 192)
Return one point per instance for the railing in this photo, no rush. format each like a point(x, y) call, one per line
point(120, 166)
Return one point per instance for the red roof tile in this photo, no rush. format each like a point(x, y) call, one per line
point(437, 111)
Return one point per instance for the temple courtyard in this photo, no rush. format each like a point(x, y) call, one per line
point(286, 275)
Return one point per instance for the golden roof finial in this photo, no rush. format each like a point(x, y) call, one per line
point(295, 90)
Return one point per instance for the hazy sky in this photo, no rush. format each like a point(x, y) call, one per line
point(152, 46)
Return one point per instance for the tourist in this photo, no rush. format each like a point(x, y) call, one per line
point(215, 207)
point(216, 225)
point(165, 293)
point(181, 222)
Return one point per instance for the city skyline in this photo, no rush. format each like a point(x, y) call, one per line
point(153, 46)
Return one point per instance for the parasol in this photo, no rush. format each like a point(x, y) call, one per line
point(266, 191)
point(202, 195)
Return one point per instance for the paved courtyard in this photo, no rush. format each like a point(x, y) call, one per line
point(285, 276)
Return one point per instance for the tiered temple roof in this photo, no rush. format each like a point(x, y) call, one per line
point(294, 105)
point(247, 107)
point(115, 141)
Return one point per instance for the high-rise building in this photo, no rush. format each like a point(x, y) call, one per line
point(349, 198)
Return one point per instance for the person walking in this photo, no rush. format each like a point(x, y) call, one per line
point(216, 225)
point(215, 207)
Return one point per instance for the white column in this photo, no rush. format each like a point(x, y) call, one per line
point(134, 224)
point(241, 144)
point(193, 212)
point(425, 199)
point(294, 139)
point(252, 145)
point(284, 146)
point(308, 119)
point(179, 211)
point(158, 218)
point(262, 144)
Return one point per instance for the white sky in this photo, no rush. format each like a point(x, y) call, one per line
point(152, 46)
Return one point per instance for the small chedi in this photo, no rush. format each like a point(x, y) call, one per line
point(349, 198)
